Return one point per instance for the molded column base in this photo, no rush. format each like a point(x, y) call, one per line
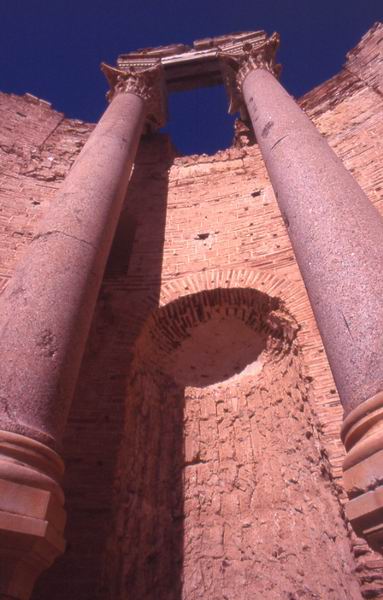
point(32, 517)
point(362, 435)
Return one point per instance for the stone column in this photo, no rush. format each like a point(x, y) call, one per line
point(337, 237)
point(45, 315)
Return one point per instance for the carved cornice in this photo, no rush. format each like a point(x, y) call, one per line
point(147, 83)
point(236, 67)
point(191, 67)
point(148, 73)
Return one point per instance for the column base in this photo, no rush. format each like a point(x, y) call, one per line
point(32, 517)
point(362, 435)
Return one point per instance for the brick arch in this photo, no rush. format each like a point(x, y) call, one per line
point(175, 322)
point(261, 300)
point(254, 430)
point(290, 293)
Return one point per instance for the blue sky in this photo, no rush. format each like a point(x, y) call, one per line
point(53, 48)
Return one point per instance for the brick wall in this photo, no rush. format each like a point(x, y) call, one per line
point(164, 474)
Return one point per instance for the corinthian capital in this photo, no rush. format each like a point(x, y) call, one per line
point(147, 83)
point(236, 66)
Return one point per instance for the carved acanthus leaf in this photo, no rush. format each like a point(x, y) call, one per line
point(235, 68)
point(148, 84)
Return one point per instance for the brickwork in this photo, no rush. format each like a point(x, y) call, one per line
point(193, 224)
point(37, 148)
point(224, 494)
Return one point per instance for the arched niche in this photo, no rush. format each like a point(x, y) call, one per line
point(222, 488)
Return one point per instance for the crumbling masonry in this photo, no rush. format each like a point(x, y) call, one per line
point(188, 339)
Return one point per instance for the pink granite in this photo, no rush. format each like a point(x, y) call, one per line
point(47, 307)
point(336, 232)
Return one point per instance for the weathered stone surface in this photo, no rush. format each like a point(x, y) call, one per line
point(221, 229)
point(47, 307)
point(336, 234)
point(224, 500)
point(46, 312)
point(32, 518)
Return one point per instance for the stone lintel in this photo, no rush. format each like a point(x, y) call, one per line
point(190, 67)
point(207, 63)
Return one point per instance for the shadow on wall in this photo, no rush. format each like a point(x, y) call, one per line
point(197, 341)
point(220, 464)
point(217, 350)
point(97, 417)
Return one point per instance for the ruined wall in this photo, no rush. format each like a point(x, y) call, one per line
point(240, 505)
point(193, 224)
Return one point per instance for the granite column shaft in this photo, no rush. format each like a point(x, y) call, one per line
point(337, 237)
point(45, 315)
point(47, 307)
